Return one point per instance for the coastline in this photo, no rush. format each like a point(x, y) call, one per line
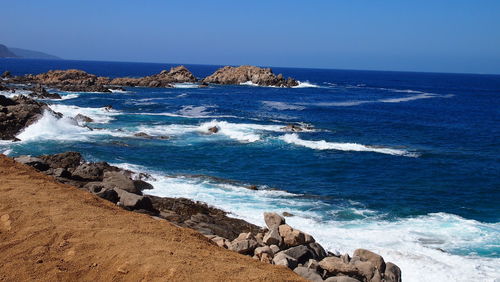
point(52, 231)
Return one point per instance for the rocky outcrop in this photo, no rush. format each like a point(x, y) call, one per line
point(39, 92)
point(18, 113)
point(165, 78)
point(297, 250)
point(255, 75)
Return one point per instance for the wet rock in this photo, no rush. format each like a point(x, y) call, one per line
point(287, 214)
point(213, 129)
point(273, 220)
point(243, 74)
point(18, 113)
point(143, 135)
point(83, 118)
point(392, 273)
point(293, 128)
point(308, 274)
point(39, 92)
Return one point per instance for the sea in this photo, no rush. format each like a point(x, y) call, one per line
point(405, 164)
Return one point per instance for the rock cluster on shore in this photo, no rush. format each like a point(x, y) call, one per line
point(81, 81)
point(278, 244)
point(244, 74)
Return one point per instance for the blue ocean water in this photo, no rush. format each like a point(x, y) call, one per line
point(406, 164)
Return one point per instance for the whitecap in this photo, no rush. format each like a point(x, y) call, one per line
point(186, 85)
point(118, 91)
point(99, 115)
point(69, 96)
point(294, 138)
point(306, 84)
point(282, 106)
point(249, 83)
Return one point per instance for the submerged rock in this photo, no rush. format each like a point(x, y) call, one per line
point(255, 75)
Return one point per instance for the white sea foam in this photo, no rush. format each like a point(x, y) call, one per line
point(294, 138)
point(186, 85)
point(243, 132)
point(425, 247)
point(249, 83)
point(282, 106)
point(51, 128)
point(306, 84)
point(99, 115)
point(385, 100)
point(195, 111)
point(118, 91)
point(7, 152)
point(69, 96)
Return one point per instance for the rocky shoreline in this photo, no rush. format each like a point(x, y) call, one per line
point(81, 81)
point(277, 243)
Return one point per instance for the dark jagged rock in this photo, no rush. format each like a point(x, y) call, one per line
point(83, 118)
point(243, 74)
point(38, 92)
point(5, 74)
point(18, 113)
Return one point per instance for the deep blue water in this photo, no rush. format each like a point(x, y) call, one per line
point(430, 150)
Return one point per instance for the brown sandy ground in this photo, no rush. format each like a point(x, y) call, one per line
point(54, 232)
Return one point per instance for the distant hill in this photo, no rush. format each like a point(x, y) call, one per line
point(6, 53)
point(23, 53)
point(9, 52)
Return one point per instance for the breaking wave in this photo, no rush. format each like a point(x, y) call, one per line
point(294, 138)
point(99, 115)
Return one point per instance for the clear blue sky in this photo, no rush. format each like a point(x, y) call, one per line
point(418, 35)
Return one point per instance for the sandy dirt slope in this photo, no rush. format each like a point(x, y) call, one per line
point(54, 232)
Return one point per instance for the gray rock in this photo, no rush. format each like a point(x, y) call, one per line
point(300, 253)
point(392, 273)
point(273, 220)
point(133, 201)
point(61, 172)
point(273, 237)
point(285, 260)
point(245, 246)
point(334, 266)
point(317, 250)
point(308, 274)
point(142, 185)
point(274, 248)
point(37, 163)
point(118, 179)
point(372, 257)
point(88, 172)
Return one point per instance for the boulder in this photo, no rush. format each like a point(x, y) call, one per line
point(88, 172)
point(265, 249)
point(213, 129)
point(133, 201)
point(142, 185)
point(83, 118)
point(285, 260)
point(308, 274)
point(245, 246)
point(274, 248)
point(317, 250)
point(100, 190)
point(301, 254)
point(67, 160)
point(291, 237)
point(334, 266)
point(37, 163)
point(273, 220)
point(273, 237)
point(373, 258)
point(61, 172)
point(392, 273)
point(367, 270)
point(117, 179)
point(39, 92)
